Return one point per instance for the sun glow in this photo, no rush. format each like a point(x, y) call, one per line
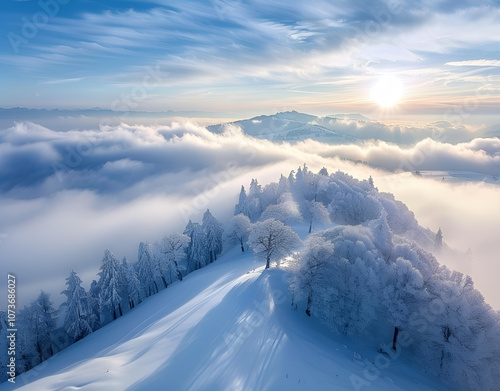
point(387, 91)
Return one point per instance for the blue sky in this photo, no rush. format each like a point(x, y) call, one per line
point(256, 56)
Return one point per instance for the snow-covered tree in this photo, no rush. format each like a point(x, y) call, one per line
point(283, 185)
point(196, 250)
point(132, 286)
point(243, 204)
point(148, 271)
point(94, 319)
point(323, 171)
point(109, 286)
point(438, 241)
point(272, 240)
point(346, 297)
point(76, 322)
point(213, 230)
point(174, 249)
point(403, 293)
point(382, 235)
point(461, 338)
point(286, 210)
point(310, 267)
point(254, 203)
point(238, 230)
point(316, 212)
point(39, 320)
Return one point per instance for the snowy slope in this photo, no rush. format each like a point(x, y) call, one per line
point(228, 326)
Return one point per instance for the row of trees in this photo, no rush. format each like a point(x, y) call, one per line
point(44, 330)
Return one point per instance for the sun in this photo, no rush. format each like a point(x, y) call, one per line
point(387, 91)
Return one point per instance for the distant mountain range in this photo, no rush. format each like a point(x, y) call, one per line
point(23, 113)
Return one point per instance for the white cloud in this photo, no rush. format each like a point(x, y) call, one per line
point(60, 81)
point(136, 183)
point(475, 63)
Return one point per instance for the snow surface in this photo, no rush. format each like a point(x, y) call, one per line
point(228, 326)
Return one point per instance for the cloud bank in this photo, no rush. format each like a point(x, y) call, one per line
point(67, 196)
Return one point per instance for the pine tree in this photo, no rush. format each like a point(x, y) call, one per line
point(94, 319)
point(133, 286)
point(438, 241)
point(254, 203)
point(78, 312)
point(41, 321)
point(148, 271)
point(213, 233)
point(109, 284)
point(242, 205)
point(323, 172)
point(196, 250)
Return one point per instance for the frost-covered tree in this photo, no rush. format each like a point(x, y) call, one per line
point(283, 185)
point(272, 240)
point(254, 203)
point(269, 195)
point(132, 286)
point(461, 337)
point(238, 230)
point(109, 286)
point(196, 250)
point(310, 268)
point(213, 231)
point(148, 271)
point(438, 241)
point(286, 210)
point(76, 321)
point(93, 303)
point(403, 293)
point(382, 235)
point(346, 296)
point(323, 171)
point(242, 206)
point(316, 212)
point(123, 285)
point(174, 247)
point(39, 321)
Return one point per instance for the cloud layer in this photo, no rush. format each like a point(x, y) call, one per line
point(67, 196)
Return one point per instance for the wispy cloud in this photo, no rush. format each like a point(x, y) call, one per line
point(60, 81)
point(475, 63)
point(274, 45)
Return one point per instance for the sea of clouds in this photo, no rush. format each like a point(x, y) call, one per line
point(66, 196)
